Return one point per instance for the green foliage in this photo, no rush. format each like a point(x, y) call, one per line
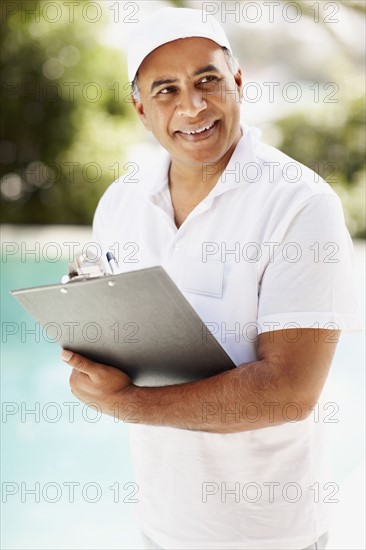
point(335, 149)
point(65, 120)
point(319, 142)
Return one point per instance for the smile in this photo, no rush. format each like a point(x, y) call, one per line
point(198, 130)
point(199, 133)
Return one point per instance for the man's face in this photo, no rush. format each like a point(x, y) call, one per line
point(190, 100)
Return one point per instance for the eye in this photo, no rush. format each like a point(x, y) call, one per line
point(208, 78)
point(167, 90)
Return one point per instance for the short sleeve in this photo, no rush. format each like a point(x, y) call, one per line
point(99, 231)
point(309, 280)
point(108, 205)
point(98, 225)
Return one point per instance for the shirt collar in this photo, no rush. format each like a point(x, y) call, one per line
point(242, 158)
point(232, 177)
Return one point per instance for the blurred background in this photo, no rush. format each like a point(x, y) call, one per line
point(68, 130)
point(68, 122)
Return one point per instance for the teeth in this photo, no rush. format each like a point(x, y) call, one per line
point(200, 129)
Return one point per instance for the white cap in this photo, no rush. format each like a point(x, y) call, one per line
point(166, 25)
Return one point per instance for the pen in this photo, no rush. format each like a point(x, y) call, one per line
point(112, 262)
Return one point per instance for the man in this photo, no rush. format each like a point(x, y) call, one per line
point(260, 250)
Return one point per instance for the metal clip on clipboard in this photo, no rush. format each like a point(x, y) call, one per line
point(84, 267)
point(169, 348)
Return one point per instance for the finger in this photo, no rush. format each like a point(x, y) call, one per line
point(79, 362)
point(77, 377)
point(79, 383)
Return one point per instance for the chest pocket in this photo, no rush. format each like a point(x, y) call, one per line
point(203, 278)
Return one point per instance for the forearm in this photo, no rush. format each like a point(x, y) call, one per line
point(281, 386)
point(245, 398)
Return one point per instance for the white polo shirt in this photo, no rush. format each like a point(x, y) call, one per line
point(267, 249)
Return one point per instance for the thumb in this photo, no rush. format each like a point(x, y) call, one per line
point(78, 362)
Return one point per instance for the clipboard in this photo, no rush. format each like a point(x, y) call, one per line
point(137, 321)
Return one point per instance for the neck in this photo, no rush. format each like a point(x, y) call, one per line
point(197, 180)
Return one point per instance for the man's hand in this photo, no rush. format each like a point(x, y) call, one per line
point(97, 383)
point(291, 369)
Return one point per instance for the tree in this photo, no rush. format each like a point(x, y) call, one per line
point(66, 121)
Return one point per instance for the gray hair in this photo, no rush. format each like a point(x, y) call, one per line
point(233, 64)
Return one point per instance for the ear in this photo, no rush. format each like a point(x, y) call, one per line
point(238, 77)
point(139, 108)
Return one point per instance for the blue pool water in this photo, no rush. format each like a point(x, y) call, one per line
point(62, 442)
point(63, 445)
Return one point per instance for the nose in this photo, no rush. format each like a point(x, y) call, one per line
point(191, 102)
